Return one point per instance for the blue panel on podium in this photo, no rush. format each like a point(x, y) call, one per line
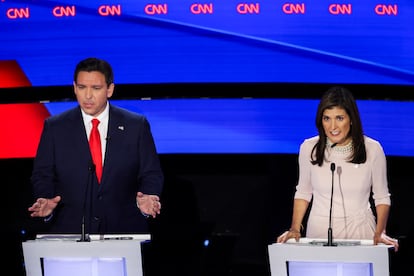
point(299, 268)
point(83, 266)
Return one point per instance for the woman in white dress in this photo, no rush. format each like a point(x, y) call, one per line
point(356, 165)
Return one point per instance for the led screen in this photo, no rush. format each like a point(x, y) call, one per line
point(220, 126)
point(147, 42)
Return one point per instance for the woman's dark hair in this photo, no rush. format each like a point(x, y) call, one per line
point(95, 64)
point(342, 98)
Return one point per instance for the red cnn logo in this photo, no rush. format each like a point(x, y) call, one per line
point(64, 11)
point(106, 10)
point(290, 8)
point(248, 8)
point(201, 8)
point(153, 9)
point(340, 9)
point(386, 9)
point(15, 13)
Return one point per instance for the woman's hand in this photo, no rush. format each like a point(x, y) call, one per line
point(383, 238)
point(289, 234)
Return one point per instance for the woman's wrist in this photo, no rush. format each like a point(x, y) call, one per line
point(295, 229)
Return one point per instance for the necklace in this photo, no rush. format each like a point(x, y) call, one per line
point(341, 149)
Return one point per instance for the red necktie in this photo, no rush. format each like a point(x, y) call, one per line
point(96, 150)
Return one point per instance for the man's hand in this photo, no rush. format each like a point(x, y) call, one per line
point(43, 207)
point(149, 204)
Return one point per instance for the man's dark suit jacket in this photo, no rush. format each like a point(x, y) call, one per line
point(63, 166)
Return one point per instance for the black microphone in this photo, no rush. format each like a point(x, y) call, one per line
point(332, 146)
point(330, 242)
point(88, 191)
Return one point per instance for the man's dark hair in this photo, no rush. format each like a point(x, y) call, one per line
point(95, 64)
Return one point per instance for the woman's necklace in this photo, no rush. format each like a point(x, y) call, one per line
point(348, 148)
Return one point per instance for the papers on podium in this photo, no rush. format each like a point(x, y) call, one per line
point(69, 237)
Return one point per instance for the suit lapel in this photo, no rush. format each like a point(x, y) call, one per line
point(115, 130)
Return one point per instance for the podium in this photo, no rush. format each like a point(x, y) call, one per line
point(311, 257)
point(62, 255)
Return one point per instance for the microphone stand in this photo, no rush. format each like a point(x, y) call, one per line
point(330, 242)
point(84, 235)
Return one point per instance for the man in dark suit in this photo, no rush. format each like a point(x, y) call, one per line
point(66, 181)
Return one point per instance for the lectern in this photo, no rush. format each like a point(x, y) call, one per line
point(312, 257)
point(115, 255)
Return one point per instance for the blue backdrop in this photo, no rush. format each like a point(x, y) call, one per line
point(258, 125)
point(368, 42)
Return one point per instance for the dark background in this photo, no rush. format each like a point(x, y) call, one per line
point(212, 90)
point(238, 202)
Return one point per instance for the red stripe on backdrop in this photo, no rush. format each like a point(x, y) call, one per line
point(20, 129)
point(11, 75)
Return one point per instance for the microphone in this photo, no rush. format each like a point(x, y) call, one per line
point(333, 166)
point(88, 191)
point(330, 243)
point(332, 146)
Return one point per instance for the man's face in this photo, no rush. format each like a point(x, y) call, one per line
point(92, 92)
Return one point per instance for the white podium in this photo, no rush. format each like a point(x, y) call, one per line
point(311, 257)
point(115, 255)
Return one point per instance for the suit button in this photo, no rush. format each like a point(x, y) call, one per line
point(96, 218)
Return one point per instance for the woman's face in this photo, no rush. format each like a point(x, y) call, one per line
point(337, 124)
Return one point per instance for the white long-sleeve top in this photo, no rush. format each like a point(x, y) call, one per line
point(352, 216)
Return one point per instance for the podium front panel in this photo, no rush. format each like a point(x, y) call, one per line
point(308, 258)
point(118, 256)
